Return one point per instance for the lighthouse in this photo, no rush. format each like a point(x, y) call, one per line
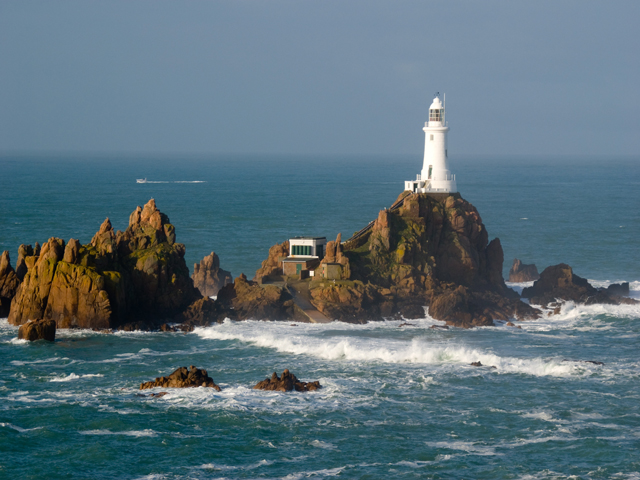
point(435, 176)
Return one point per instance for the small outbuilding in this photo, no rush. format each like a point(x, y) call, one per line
point(305, 254)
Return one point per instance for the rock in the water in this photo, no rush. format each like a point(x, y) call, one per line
point(521, 272)
point(38, 330)
point(558, 282)
point(619, 289)
point(183, 378)
point(134, 276)
point(9, 283)
point(208, 277)
point(286, 383)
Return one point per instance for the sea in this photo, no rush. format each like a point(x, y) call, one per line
point(397, 401)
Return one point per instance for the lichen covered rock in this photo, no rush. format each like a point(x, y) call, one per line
point(138, 275)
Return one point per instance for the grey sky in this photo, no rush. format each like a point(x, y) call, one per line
point(319, 77)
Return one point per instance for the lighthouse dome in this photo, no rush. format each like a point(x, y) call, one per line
point(436, 105)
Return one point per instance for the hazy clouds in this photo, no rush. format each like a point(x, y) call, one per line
point(318, 77)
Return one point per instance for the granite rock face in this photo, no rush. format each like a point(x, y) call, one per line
point(136, 275)
point(521, 272)
point(286, 383)
point(9, 282)
point(272, 266)
point(208, 277)
point(183, 378)
point(38, 330)
point(434, 251)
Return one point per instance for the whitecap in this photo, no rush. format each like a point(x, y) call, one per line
point(325, 445)
point(130, 433)
point(469, 447)
point(73, 376)
point(34, 362)
point(374, 350)
point(18, 429)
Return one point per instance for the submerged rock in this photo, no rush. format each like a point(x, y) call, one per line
point(208, 277)
point(286, 383)
point(38, 330)
point(521, 272)
point(183, 378)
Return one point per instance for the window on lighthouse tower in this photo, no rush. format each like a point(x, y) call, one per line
point(435, 115)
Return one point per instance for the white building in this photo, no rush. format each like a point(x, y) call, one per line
point(435, 175)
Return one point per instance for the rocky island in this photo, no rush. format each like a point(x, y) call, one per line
point(428, 251)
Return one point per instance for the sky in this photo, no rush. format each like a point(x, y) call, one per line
point(324, 77)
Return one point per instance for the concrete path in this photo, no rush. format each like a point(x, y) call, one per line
point(301, 299)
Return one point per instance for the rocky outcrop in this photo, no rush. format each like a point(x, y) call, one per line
point(432, 251)
point(138, 275)
point(38, 330)
point(558, 282)
point(521, 272)
point(183, 378)
point(208, 277)
point(201, 313)
point(334, 253)
point(619, 289)
point(272, 266)
point(9, 283)
point(244, 299)
point(287, 383)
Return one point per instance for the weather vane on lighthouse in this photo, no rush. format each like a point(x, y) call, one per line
point(435, 175)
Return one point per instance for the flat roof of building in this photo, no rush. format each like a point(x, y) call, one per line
point(308, 238)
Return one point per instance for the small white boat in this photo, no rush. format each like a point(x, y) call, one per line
point(141, 180)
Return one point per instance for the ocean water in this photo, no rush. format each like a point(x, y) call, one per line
point(397, 402)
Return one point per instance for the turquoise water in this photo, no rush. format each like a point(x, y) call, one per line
point(398, 402)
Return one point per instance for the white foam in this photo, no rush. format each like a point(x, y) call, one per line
point(130, 433)
point(18, 429)
point(73, 376)
point(468, 447)
point(376, 350)
point(34, 362)
point(325, 445)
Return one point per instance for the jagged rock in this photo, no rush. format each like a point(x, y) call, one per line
point(21, 266)
point(521, 272)
point(244, 299)
point(38, 330)
point(619, 289)
point(202, 312)
point(286, 383)
point(208, 277)
point(134, 277)
point(272, 266)
point(183, 378)
point(9, 283)
point(558, 282)
point(334, 253)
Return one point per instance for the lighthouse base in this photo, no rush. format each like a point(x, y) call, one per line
point(418, 185)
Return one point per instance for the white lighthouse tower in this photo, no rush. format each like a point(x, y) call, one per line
point(435, 175)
